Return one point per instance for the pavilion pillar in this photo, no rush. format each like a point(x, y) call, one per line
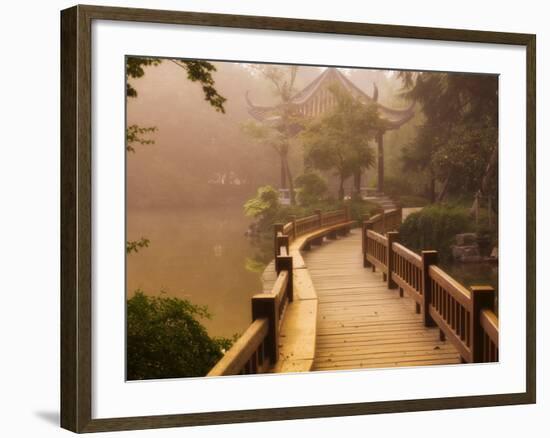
point(380, 141)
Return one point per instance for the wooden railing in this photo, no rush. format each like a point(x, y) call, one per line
point(465, 317)
point(257, 350)
point(389, 220)
point(298, 227)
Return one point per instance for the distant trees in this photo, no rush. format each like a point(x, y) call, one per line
point(311, 188)
point(457, 144)
point(279, 135)
point(339, 140)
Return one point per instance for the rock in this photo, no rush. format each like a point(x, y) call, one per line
point(466, 239)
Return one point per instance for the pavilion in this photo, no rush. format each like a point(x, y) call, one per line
point(316, 99)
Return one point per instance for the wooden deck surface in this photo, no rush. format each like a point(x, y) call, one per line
point(361, 323)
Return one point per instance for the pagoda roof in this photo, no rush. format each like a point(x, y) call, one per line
point(315, 99)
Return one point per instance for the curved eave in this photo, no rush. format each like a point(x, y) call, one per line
point(395, 118)
point(398, 122)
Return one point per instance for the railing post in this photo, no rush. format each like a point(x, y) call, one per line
point(393, 236)
point(319, 214)
point(383, 222)
point(428, 258)
point(293, 220)
point(483, 297)
point(366, 263)
point(281, 240)
point(364, 239)
point(284, 263)
point(264, 306)
point(276, 229)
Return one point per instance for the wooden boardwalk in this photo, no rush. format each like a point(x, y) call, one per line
point(361, 323)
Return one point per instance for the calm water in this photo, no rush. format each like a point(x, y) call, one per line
point(199, 255)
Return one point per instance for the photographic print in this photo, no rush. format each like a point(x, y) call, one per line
point(298, 218)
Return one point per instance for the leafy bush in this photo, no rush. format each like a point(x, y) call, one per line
point(434, 227)
point(166, 340)
point(412, 201)
point(263, 206)
point(311, 188)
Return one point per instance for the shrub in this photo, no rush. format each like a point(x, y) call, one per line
point(166, 340)
point(264, 206)
point(434, 227)
point(311, 187)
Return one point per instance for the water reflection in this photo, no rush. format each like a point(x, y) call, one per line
point(197, 254)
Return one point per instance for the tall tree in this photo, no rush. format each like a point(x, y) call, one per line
point(340, 139)
point(457, 144)
point(282, 79)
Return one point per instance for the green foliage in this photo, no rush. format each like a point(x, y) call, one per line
point(311, 188)
point(166, 340)
point(358, 208)
point(197, 71)
point(136, 245)
point(340, 139)
point(264, 205)
point(434, 228)
point(412, 201)
point(457, 144)
point(134, 69)
point(403, 191)
point(256, 265)
point(134, 135)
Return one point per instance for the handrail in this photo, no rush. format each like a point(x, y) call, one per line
point(407, 272)
point(464, 316)
point(298, 227)
point(387, 220)
point(257, 349)
point(247, 355)
point(489, 322)
point(376, 250)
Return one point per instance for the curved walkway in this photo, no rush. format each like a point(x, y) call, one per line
point(361, 323)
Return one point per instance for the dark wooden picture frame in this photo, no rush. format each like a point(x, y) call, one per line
point(76, 217)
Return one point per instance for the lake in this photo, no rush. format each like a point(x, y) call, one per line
point(200, 255)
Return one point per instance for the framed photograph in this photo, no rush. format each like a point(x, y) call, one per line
point(268, 218)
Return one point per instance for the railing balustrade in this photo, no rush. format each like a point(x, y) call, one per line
point(465, 317)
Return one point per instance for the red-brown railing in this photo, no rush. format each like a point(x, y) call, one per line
point(464, 316)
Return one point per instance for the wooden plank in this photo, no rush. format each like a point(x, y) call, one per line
point(297, 338)
point(361, 323)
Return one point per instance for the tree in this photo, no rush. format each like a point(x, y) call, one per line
point(166, 340)
point(197, 71)
point(311, 188)
point(458, 142)
point(280, 135)
point(263, 207)
point(340, 139)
